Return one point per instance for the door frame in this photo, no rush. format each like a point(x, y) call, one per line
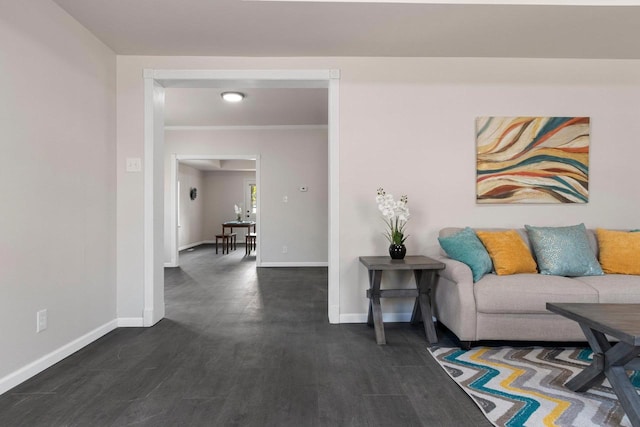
point(153, 282)
point(247, 182)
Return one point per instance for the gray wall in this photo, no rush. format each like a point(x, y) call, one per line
point(223, 190)
point(58, 222)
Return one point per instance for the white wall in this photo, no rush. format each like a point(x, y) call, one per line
point(58, 222)
point(224, 189)
point(407, 124)
point(288, 159)
point(191, 230)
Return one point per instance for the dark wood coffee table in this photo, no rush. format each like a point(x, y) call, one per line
point(424, 271)
point(621, 321)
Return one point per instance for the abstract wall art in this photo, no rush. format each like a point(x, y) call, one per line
point(532, 159)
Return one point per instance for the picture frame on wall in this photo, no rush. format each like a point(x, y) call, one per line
point(532, 159)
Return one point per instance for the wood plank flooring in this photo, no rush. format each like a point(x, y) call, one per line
point(242, 346)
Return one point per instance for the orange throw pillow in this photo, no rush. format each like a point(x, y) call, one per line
point(619, 251)
point(509, 253)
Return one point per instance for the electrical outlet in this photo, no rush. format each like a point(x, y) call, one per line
point(41, 320)
point(285, 249)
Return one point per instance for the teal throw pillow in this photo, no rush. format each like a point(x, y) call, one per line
point(563, 251)
point(466, 247)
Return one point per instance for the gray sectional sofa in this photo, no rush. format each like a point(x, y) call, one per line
point(512, 307)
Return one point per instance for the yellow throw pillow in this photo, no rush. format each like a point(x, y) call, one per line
point(619, 251)
point(509, 253)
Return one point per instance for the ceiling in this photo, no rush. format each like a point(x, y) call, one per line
point(260, 107)
point(272, 28)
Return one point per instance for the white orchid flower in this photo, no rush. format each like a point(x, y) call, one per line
point(396, 214)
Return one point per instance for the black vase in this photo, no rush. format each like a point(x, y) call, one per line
point(397, 251)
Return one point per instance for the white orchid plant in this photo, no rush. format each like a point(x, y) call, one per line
point(238, 211)
point(396, 215)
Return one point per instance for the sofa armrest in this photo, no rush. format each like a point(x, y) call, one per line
point(454, 300)
point(455, 271)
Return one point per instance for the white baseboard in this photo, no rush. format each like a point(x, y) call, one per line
point(294, 264)
point(170, 264)
point(386, 317)
point(21, 375)
point(130, 322)
point(191, 245)
point(334, 314)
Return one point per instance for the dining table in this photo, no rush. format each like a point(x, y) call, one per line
point(238, 224)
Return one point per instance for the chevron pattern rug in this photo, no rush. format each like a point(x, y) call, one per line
point(525, 386)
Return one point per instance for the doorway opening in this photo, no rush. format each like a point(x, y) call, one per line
point(154, 83)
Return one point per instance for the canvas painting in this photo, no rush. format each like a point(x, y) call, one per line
point(532, 159)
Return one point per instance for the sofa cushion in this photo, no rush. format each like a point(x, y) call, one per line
point(619, 251)
point(563, 251)
point(464, 246)
point(615, 288)
point(528, 293)
point(508, 252)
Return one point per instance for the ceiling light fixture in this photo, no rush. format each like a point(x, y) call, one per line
point(232, 96)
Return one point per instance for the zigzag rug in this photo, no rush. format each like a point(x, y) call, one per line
point(525, 386)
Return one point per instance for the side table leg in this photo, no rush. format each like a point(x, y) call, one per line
point(375, 311)
point(377, 321)
point(416, 315)
point(424, 282)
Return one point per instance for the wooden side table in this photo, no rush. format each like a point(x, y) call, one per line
point(424, 271)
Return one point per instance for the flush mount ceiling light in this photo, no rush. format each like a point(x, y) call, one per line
point(232, 96)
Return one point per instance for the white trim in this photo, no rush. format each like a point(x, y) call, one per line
point(246, 78)
point(147, 317)
point(386, 317)
point(295, 264)
point(269, 127)
point(130, 322)
point(31, 369)
point(218, 157)
point(258, 214)
point(148, 191)
point(333, 297)
point(152, 98)
point(174, 211)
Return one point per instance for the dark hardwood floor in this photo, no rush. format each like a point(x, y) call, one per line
point(242, 346)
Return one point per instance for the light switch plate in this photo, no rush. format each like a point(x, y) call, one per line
point(134, 164)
